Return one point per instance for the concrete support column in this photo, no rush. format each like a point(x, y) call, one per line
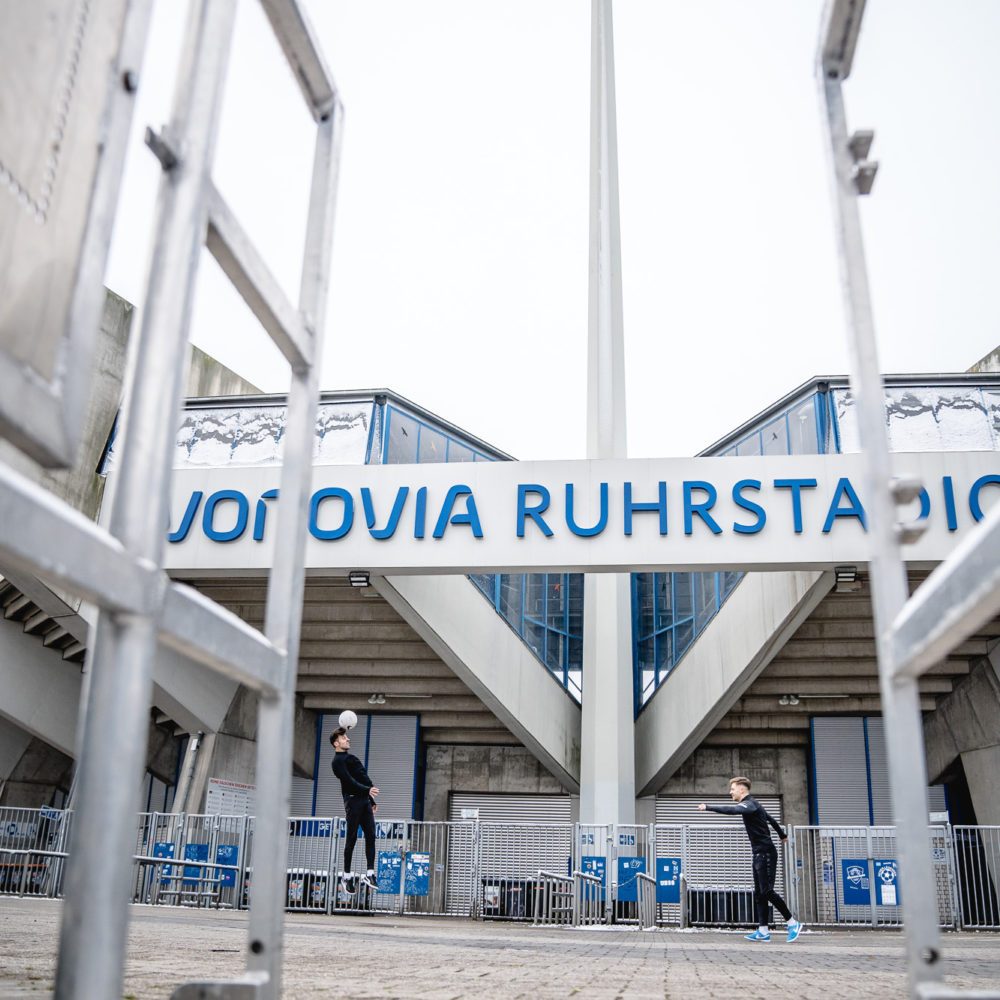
point(607, 753)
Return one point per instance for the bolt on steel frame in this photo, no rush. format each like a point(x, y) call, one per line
point(121, 571)
point(962, 593)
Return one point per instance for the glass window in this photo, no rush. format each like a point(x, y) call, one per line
point(485, 583)
point(534, 595)
point(664, 653)
point(433, 445)
point(402, 438)
point(751, 446)
point(458, 452)
point(554, 651)
point(683, 598)
point(664, 603)
point(644, 604)
point(555, 610)
point(511, 593)
point(683, 635)
point(534, 636)
point(802, 437)
point(775, 437)
point(575, 608)
point(704, 591)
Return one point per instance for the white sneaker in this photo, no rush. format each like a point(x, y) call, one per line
point(369, 880)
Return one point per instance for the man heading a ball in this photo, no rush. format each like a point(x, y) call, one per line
point(359, 802)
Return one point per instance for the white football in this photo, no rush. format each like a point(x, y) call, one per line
point(348, 719)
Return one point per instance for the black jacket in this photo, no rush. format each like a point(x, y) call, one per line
point(354, 780)
point(755, 819)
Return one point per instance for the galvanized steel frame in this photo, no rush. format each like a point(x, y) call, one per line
point(964, 591)
point(120, 571)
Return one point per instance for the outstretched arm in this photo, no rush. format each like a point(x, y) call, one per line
point(740, 809)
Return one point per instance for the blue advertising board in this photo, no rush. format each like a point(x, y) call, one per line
point(595, 865)
point(194, 852)
point(887, 882)
point(164, 849)
point(389, 871)
point(628, 868)
point(668, 880)
point(227, 854)
point(418, 872)
point(854, 872)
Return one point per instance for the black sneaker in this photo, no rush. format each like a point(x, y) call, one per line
point(349, 883)
point(369, 880)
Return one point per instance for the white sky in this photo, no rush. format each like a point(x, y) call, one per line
point(460, 258)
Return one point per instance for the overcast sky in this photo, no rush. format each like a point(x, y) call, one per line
point(461, 245)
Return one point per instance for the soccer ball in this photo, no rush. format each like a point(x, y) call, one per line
point(348, 719)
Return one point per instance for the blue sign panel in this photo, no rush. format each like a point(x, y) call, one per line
point(227, 854)
point(595, 865)
point(628, 868)
point(194, 852)
point(855, 879)
point(164, 849)
point(418, 872)
point(887, 882)
point(311, 828)
point(668, 880)
point(390, 869)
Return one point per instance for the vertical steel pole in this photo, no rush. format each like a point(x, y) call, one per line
point(283, 617)
point(111, 756)
point(607, 755)
point(901, 698)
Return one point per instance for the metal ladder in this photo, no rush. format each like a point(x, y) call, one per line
point(962, 594)
point(120, 570)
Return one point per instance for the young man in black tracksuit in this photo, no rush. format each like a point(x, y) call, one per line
point(359, 803)
point(765, 856)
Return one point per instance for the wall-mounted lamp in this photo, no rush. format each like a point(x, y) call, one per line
point(359, 578)
point(788, 699)
point(376, 699)
point(846, 578)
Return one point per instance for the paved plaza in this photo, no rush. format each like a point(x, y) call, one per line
point(356, 956)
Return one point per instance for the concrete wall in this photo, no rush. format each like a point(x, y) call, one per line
point(773, 770)
point(481, 769)
point(207, 377)
point(988, 364)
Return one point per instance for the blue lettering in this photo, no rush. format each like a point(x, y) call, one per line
point(745, 504)
point(949, 503)
point(261, 513)
point(602, 521)
point(854, 509)
point(535, 513)
point(470, 517)
point(389, 530)
point(347, 521)
point(208, 516)
point(796, 485)
point(192, 508)
point(701, 509)
point(974, 505)
point(420, 516)
point(660, 505)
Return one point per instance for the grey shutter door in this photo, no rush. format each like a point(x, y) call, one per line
point(497, 808)
point(718, 850)
point(392, 757)
point(302, 796)
point(840, 771)
point(878, 770)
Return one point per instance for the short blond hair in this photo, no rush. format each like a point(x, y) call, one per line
point(740, 780)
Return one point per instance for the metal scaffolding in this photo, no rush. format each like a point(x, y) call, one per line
point(963, 593)
point(120, 571)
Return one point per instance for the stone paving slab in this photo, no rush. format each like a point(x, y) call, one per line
point(378, 957)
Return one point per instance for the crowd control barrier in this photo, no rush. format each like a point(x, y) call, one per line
point(544, 873)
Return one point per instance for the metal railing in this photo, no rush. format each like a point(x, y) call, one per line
point(837, 876)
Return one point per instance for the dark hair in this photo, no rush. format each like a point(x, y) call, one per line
point(745, 782)
point(336, 734)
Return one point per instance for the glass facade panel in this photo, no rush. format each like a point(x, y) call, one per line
point(433, 446)
point(751, 446)
point(403, 432)
point(803, 438)
point(775, 437)
point(460, 453)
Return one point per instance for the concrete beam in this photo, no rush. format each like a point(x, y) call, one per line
point(750, 629)
point(332, 669)
point(464, 630)
point(362, 687)
point(478, 737)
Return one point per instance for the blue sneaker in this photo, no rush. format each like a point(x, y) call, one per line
point(795, 928)
point(757, 936)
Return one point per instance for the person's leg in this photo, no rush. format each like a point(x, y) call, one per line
point(368, 825)
point(770, 895)
point(760, 890)
point(353, 819)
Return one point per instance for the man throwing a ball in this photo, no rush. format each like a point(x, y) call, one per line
point(359, 803)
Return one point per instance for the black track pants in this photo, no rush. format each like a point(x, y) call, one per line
point(359, 813)
point(765, 868)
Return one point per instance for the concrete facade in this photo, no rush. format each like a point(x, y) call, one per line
point(510, 770)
